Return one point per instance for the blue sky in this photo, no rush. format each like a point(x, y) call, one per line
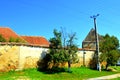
point(40, 17)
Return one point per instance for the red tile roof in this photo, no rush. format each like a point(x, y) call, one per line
point(7, 33)
point(36, 40)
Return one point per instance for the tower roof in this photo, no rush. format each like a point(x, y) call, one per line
point(90, 36)
point(90, 41)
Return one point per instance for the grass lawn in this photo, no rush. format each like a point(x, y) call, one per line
point(33, 74)
point(116, 68)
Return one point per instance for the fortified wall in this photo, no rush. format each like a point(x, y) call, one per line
point(17, 57)
point(85, 57)
point(22, 56)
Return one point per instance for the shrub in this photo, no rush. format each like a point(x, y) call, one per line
point(2, 39)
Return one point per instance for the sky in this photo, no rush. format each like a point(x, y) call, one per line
point(41, 17)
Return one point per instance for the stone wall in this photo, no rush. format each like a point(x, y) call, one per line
point(29, 56)
point(17, 57)
point(9, 59)
point(85, 57)
point(13, 57)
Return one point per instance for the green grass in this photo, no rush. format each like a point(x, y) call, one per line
point(34, 74)
point(116, 68)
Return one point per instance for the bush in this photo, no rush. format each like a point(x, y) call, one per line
point(15, 40)
point(2, 39)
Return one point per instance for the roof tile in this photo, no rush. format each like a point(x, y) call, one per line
point(36, 40)
point(7, 33)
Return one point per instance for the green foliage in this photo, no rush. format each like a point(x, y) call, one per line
point(112, 57)
point(103, 57)
point(2, 39)
point(12, 39)
point(109, 48)
point(116, 68)
point(57, 56)
point(72, 49)
point(15, 40)
point(56, 45)
point(60, 53)
point(72, 52)
point(57, 53)
point(18, 40)
point(56, 40)
point(109, 43)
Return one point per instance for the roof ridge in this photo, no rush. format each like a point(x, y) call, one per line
point(4, 27)
point(90, 33)
point(36, 40)
point(10, 29)
point(31, 36)
point(16, 33)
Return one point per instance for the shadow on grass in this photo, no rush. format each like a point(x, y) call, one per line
point(53, 70)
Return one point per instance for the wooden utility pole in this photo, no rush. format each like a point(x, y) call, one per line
point(97, 42)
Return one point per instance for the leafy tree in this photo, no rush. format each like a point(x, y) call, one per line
point(57, 54)
point(2, 39)
point(60, 53)
point(56, 40)
point(72, 49)
point(109, 48)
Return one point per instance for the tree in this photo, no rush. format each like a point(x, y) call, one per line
point(109, 48)
point(57, 54)
point(64, 37)
point(72, 49)
point(60, 53)
point(56, 40)
point(2, 39)
point(69, 44)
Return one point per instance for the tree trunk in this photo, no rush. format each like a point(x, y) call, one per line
point(107, 66)
point(69, 65)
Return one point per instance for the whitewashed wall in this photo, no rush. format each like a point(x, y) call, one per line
point(29, 56)
point(84, 59)
point(14, 57)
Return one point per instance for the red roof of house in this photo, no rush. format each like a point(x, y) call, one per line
point(36, 40)
point(7, 33)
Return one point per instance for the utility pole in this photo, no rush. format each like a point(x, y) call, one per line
point(97, 42)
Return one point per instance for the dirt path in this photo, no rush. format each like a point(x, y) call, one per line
point(106, 77)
